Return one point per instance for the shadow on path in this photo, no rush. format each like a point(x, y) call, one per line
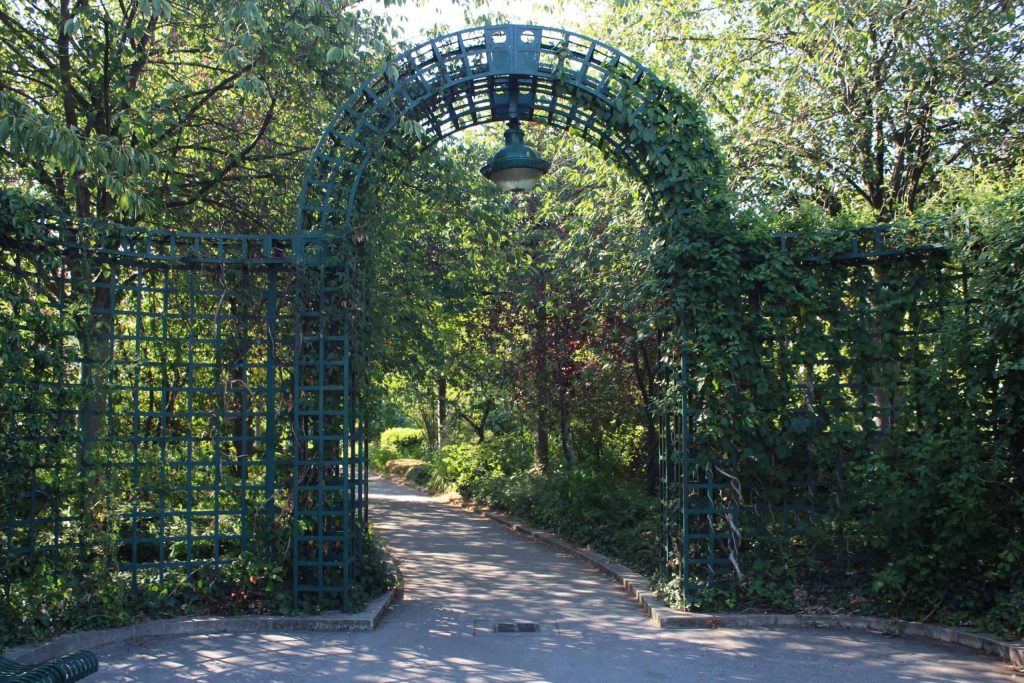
point(464, 573)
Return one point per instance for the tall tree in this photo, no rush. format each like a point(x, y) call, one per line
point(127, 109)
point(848, 104)
point(189, 116)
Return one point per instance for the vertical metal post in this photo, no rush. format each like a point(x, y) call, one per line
point(343, 467)
point(270, 368)
point(298, 437)
point(684, 455)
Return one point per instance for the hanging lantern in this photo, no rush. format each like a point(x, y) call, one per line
point(515, 167)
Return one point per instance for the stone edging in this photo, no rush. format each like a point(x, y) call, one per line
point(665, 617)
point(335, 620)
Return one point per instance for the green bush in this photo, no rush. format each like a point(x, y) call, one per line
point(589, 508)
point(53, 598)
point(373, 572)
point(397, 443)
point(465, 467)
point(404, 440)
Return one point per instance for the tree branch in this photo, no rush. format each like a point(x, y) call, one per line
point(206, 185)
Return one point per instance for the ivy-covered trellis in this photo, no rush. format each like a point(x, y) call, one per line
point(792, 363)
point(147, 395)
point(816, 372)
point(470, 78)
point(544, 75)
point(209, 385)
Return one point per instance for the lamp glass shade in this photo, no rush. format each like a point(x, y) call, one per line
point(516, 167)
point(517, 179)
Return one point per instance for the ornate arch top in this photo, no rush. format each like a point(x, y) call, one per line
point(492, 74)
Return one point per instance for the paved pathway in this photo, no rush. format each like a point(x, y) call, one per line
point(464, 573)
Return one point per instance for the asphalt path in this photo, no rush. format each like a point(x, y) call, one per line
point(467, 578)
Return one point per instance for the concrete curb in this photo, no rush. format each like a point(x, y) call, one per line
point(335, 620)
point(665, 617)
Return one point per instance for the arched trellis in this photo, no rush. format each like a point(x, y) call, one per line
point(484, 75)
point(450, 83)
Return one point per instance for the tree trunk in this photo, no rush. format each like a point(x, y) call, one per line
point(442, 408)
point(96, 348)
point(644, 358)
point(652, 444)
point(541, 383)
point(568, 452)
point(428, 416)
point(97, 354)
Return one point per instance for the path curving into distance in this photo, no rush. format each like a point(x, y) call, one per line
point(464, 574)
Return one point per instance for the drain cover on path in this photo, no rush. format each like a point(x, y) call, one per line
point(488, 626)
point(516, 627)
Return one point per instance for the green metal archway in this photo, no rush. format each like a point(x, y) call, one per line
point(450, 83)
point(222, 372)
point(486, 75)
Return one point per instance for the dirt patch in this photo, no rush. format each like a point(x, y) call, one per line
point(408, 469)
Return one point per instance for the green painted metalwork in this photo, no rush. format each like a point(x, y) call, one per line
point(873, 334)
point(227, 369)
point(513, 159)
point(73, 666)
point(448, 84)
point(171, 381)
point(473, 77)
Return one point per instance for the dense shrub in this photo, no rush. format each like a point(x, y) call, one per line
point(410, 469)
point(590, 508)
point(404, 440)
point(52, 599)
point(398, 443)
point(921, 518)
point(465, 468)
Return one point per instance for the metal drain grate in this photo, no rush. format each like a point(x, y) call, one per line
point(491, 626)
point(516, 627)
